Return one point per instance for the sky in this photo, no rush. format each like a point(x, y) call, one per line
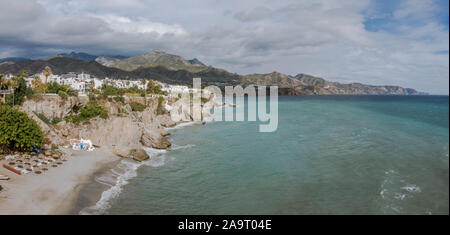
point(379, 42)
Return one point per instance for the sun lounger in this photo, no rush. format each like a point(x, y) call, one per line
point(12, 169)
point(4, 177)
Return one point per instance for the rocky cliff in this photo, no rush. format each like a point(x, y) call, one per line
point(304, 84)
point(124, 131)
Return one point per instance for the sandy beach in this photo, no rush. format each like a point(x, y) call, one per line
point(55, 191)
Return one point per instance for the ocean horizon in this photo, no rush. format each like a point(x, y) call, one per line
point(331, 154)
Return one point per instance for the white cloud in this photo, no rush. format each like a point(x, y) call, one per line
point(326, 37)
point(415, 9)
point(139, 25)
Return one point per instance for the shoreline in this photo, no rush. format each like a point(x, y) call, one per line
point(95, 196)
point(55, 191)
point(74, 187)
point(90, 192)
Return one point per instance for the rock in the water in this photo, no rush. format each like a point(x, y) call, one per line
point(121, 151)
point(152, 138)
point(165, 121)
point(163, 132)
point(139, 155)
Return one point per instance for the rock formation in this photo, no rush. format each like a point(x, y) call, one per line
point(124, 132)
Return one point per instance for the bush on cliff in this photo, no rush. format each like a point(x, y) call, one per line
point(42, 117)
point(63, 95)
point(54, 87)
point(119, 99)
point(160, 110)
point(72, 92)
point(153, 88)
point(89, 111)
point(137, 107)
point(18, 131)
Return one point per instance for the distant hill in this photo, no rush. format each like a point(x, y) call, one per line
point(195, 61)
point(13, 59)
point(168, 68)
point(79, 55)
point(62, 65)
point(89, 57)
point(153, 59)
point(304, 84)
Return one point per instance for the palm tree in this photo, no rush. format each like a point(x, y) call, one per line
point(91, 85)
point(47, 72)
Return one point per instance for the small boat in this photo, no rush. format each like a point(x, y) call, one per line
point(4, 177)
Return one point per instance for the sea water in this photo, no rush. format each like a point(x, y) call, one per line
point(329, 155)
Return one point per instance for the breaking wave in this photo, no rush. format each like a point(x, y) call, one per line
point(119, 176)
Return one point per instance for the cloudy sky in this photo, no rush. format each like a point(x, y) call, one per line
point(381, 42)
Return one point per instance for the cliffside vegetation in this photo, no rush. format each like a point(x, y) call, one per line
point(47, 121)
point(18, 132)
point(90, 110)
point(160, 109)
point(137, 107)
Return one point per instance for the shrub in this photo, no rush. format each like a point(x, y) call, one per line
point(109, 91)
point(89, 111)
point(153, 88)
point(39, 87)
point(135, 106)
point(72, 92)
point(53, 87)
point(63, 95)
point(56, 120)
point(92, 98)
point(119, 99)
point(18, 131)
point(160, 109)
point(43, 118)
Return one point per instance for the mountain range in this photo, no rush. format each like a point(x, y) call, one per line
point(174, 69)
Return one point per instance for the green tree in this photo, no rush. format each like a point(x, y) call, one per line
point(47, 72)
point(18, 131)
point(39, 86)
point(20, 91)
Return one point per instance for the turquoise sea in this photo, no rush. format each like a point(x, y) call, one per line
point(330, 155)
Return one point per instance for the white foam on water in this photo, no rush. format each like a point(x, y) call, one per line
point(157, 157)
point(103, 204)
point(107, 179)
point(382, 193)
point(399, 196)
point(412, 188)
point(119, 176)
point(183, 124)
point(178, 147)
